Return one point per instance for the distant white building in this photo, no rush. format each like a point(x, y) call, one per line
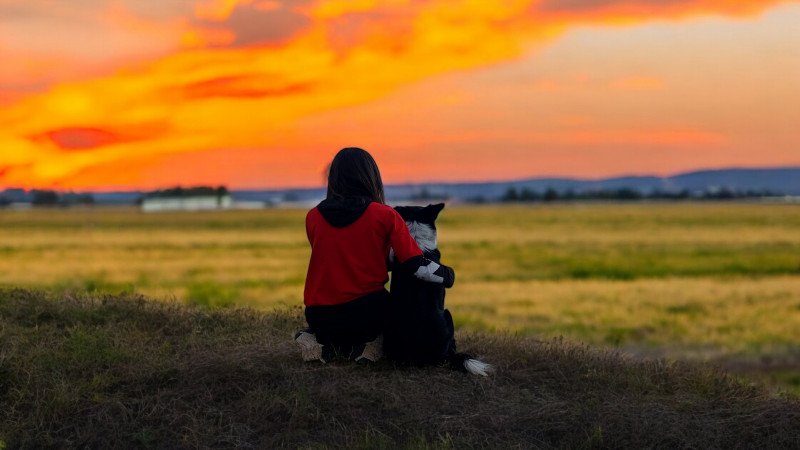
point(190, 203)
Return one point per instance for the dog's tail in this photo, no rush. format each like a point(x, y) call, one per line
point(466, 363)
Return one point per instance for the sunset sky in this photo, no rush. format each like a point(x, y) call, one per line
point(121, 94)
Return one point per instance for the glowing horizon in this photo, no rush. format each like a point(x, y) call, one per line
point(110, 95)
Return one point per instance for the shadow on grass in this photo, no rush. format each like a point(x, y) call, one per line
point(124, 371)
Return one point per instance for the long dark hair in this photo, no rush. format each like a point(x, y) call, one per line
point(354, 173)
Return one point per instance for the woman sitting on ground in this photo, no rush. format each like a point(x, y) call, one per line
point(351, 233)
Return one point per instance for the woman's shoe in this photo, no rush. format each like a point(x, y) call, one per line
point(309, 347)
point(372, 352)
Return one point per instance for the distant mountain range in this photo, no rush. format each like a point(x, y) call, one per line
point(781, 180)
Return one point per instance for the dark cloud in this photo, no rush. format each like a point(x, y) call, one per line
point(254, 26)
point(163, 10)
point(13, 90)
point(14, 12)
point(588, 5)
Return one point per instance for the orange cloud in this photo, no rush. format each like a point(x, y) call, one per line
point(623, 11)
point(341, 53)
point(639, 83)
point(80, 138)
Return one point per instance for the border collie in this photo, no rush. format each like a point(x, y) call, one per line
point(419, 330)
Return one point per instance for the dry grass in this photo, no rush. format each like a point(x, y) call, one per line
point(105, 371)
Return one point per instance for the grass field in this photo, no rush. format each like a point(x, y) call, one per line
point(122, 371)
point(716, 282)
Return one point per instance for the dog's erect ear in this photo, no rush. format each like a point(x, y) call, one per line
point(432, 211)
point(405, 212)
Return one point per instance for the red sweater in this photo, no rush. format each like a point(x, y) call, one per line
point(350, 262)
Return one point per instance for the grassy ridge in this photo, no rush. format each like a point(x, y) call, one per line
point(122, 371)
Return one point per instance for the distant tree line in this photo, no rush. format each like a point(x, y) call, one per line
point(52, 198)
point(627, 194)
point(181, 192)
point(426, 194)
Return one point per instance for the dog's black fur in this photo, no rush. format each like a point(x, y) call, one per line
point(419, 330)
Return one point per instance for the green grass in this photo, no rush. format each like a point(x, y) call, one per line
point(101, 371)
point(711, 281)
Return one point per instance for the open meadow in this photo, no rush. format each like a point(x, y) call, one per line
point(710, 281)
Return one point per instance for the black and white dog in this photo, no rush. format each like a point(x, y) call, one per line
point(419, 330)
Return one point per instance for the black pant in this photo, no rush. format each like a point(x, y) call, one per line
point(351, 323)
